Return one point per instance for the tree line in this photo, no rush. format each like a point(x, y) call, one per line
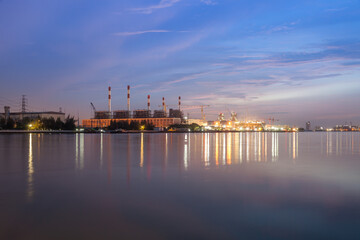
point(133, 125)
point(38, 124)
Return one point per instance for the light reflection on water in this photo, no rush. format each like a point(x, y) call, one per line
point(30, 189)
point(195, 179)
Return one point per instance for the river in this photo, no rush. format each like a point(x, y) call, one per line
point(180, 186)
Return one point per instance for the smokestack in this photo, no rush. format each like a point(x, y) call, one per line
point(148, 102)
point(128, 98)
point(109, 99)
point(179, 103)
point(164, 106)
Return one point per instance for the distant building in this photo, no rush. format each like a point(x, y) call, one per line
point(119, 114)
point(319, 129)
point(308, 126)
point(141, 113)
point(16, 116)
point(199, 122)
point(159, 114)
point(175, 113)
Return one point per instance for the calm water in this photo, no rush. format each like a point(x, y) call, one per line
point(167, 186)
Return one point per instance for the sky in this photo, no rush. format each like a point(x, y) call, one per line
point(294, 61)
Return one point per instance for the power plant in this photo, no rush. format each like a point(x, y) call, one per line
point(158, 118)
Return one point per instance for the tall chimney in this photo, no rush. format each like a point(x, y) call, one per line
point(164, 105)
point(148, 102)
point(109, 99)
point(179, 103)
point(128, 97)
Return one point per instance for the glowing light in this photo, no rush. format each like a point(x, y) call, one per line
point(142, 150)
point(30, 189)
point(228, 149)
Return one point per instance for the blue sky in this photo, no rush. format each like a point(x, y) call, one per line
point(292, 60)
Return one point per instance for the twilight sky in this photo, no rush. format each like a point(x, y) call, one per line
point(292, 60)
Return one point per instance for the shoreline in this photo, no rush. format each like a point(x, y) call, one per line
point(149, 131)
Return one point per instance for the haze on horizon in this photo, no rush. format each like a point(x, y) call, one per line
point(294, 61)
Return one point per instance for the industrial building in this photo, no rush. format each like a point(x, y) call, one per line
point(16, 116)
point(158, 118)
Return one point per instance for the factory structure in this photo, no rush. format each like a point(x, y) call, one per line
point(158, 118)
point(234, 124)
point(23, 114)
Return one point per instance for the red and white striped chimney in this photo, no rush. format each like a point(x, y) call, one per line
point(128, 97)
point(109, 99)
point(148, 102)
point(164, 106)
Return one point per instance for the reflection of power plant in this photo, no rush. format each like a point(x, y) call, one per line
point(159, 118)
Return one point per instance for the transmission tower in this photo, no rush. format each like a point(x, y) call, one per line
point(23, 103)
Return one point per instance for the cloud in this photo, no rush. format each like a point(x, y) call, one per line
point(188, 78)
point(335, 9)
point(209, 2)
point(312, 77)
point(276, 113)
point(140, 32)
point(162, 4)
point(283, 27)
point(351, 63)
point(330, 51)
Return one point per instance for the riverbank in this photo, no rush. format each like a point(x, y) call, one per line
point(137, 131)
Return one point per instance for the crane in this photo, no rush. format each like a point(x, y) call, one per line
point(272, 120)
point(93, 107)
point(187, 107)
point(233, 115)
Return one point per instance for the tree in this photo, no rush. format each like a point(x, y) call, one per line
point(134, 125)
point(58, 124)
point(49, 123)
point(149, 126)
point(23, 123)
point(10, 124)
point(195, 127)
point(2, 123)
point(69, 123)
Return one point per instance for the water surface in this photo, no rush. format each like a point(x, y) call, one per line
point(177, 186)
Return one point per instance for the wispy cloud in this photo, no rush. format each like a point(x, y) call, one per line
point(283, 27)
point(140, 32)
point(149, 9)
point(188, 78)
point(335, 9)
point(209, 2)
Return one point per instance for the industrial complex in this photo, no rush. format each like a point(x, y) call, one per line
point(158, 118)
point(165, 118)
